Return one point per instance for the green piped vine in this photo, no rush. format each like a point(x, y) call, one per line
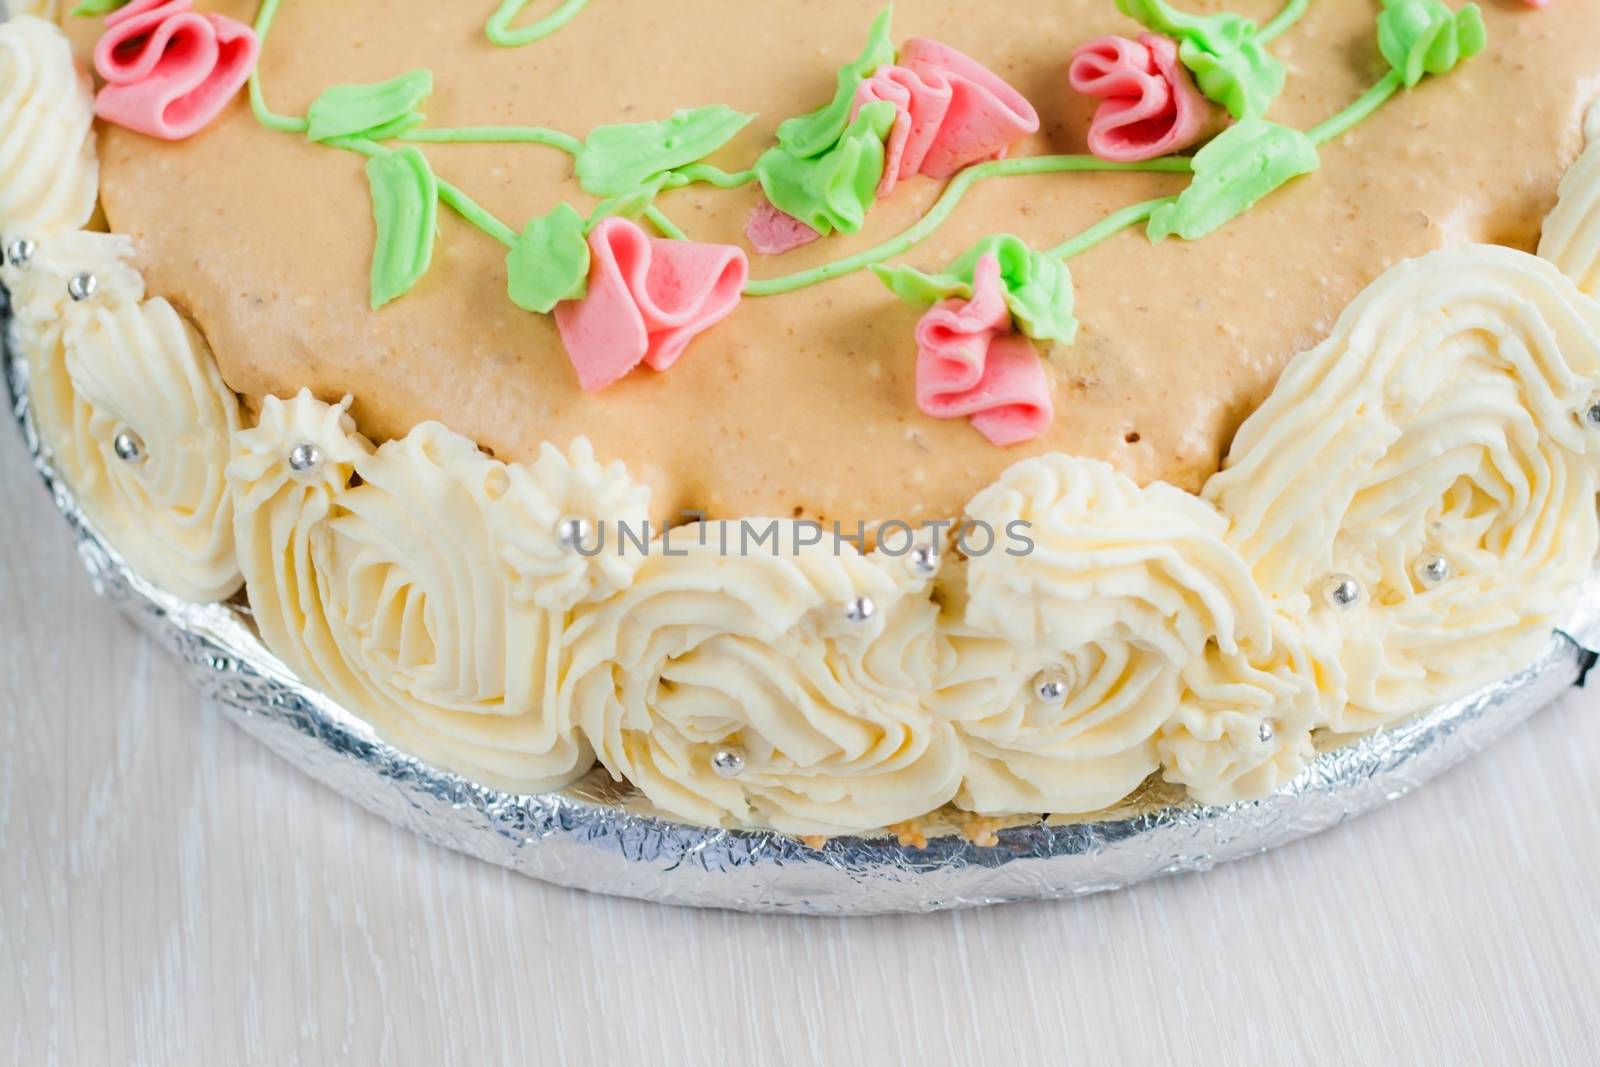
point(826, 167)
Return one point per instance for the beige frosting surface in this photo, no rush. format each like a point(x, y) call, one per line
point(803, 403)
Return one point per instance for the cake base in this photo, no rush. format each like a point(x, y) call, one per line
point(599, 836)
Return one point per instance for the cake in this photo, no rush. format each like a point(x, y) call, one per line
point(818, 417)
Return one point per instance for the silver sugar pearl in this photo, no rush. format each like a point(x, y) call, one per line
point(1590, 415)
point(1341, 591)
point(1266, 733)
point(1050, 687)
point(20, 252)
point(83, 286)
point(573, 533)
point(860, 610)
point(305, 457)
point(1432, 569)
point(128, 446)
point(925, 561)
point(727, 763)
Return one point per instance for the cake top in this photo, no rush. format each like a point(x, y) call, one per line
point(804, 402)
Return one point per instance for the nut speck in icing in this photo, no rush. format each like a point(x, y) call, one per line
point(169, 70)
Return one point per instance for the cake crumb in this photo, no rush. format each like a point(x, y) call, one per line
point(814, 841)
point(909, 834)
point(980, 830)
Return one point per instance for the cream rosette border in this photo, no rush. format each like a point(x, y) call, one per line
point(1405, 517)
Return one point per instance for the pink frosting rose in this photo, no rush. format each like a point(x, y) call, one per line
point(647, 300)
point(169, 70)
point(971, 365)
point(950, 112)
point(1151, 107)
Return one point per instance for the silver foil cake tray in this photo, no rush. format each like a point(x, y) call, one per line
point(599, 836)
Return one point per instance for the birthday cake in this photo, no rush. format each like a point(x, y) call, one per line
point(817, 417)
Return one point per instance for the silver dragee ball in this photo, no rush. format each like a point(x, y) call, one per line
point(1432, 569)
point(1050, 687)
point(924, 561)
point(128, 446)
point(573, 532)
point(727, 763)
point(860, 610)
point(20, 252)
point(1590, 415)
point(1341, 591)
point(305, 457)
point(83, 286)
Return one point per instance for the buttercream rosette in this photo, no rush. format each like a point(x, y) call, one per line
point(1122, 590)
point(1571, 237)
point(378, 577)
point(805, 669)
point(49, 177)
point(131, 407)
point(1437, 449)
point(537, 500)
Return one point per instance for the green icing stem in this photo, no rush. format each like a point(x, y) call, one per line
point(258, 100)
point(704, 172)
point(1283, 20)
point(500, 33)
point(1358, 112)
point(463, 205)
point(1108, 227)
point(946, 205)
point(499, 30)
point(664, 225)
point(496, 135)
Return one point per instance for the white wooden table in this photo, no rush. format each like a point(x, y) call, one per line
point(170, 892)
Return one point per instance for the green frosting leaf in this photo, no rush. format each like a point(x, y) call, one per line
point(1231, 65)
point(550, 262)
point(377, 112)
point(90, 8)
point(1421, 37)
point(405, 203)
point(616, 160)
point(831, 191)
point(1038, 287)
point(813, 134)
point(1243, 164)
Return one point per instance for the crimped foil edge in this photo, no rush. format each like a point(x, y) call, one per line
point(594, 836)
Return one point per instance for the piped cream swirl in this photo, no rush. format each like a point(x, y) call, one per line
point(114, 371)
point(49, 178)
point(1123, 589)
point(1444, 418)
point(757, 657)
point(377, 576)
point(1572, 232)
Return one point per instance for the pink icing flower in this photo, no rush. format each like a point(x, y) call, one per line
point(773, 232)
point(647, 300)
point(169, 70)
point(970, 364)
point(1151, 107)
point(951, 112)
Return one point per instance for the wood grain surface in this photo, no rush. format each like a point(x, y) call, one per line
point(170, 892)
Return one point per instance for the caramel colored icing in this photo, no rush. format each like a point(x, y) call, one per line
point(803, 403)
